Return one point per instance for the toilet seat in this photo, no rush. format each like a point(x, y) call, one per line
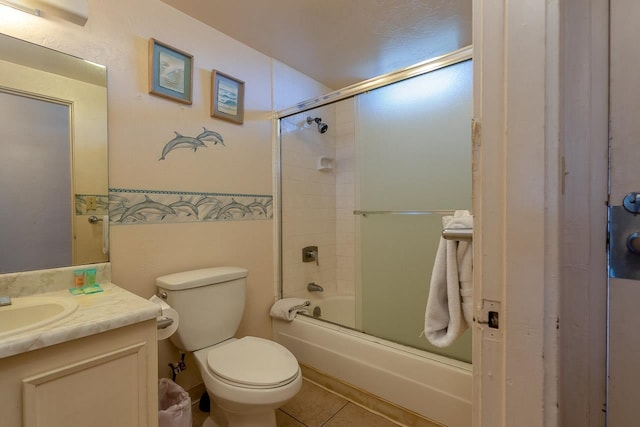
point(252, 362)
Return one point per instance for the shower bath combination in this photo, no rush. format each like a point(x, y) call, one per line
point(322, 127)
point(346, 333)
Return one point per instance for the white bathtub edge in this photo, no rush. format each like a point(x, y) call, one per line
point(434, 387)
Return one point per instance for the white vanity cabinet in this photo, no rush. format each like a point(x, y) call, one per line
point(104, 380)
point(98, 369)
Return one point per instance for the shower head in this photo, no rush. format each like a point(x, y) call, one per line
point(322, 127)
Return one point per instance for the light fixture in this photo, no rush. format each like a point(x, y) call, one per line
point(74, 11)
point(21, 7)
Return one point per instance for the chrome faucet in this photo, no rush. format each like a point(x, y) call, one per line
point(5, 301)
point(312, 287)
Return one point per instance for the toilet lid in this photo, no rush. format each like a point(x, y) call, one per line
point(254, 362)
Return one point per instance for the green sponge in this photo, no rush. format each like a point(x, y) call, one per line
point(91, 289)
point(86, 289)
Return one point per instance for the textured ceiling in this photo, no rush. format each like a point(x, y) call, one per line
point(340, 42)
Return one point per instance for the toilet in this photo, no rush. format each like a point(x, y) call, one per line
point(248, 378)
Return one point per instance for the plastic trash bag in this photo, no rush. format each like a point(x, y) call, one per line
point(174, 405)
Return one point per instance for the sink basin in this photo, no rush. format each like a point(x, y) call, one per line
point(33, 312)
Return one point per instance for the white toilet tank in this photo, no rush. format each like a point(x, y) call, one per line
point(209, 301)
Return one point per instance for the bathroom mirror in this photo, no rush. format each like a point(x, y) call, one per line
point(53, 167)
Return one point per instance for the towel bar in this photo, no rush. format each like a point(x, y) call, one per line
point(457, 234)
point(94, 219)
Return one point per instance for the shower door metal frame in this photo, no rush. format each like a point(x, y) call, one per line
point(452, 58)
point(460, 55)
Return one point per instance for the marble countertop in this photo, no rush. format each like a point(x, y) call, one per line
point(96, 313)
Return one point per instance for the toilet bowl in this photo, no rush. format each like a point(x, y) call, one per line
point(247, 380)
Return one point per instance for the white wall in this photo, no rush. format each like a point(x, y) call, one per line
point(291, 86)
point(308, 202)
point(318, 206)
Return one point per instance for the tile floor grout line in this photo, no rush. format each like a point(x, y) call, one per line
point(355, 403)
point(292, 416)
point(335, 413)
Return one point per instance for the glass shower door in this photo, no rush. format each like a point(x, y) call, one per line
point(413, 143)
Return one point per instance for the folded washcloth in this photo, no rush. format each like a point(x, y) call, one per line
point(287, 308)
point(450, 305)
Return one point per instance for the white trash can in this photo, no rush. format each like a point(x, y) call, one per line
point(174, 405)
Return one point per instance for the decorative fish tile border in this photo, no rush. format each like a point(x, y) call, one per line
point(161, 207)
point(102, 204)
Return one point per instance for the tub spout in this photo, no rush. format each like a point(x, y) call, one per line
point(312, 287)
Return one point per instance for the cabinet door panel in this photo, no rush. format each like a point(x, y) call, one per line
point(78, 394)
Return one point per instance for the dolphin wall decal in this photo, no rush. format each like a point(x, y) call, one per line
point(181, 141)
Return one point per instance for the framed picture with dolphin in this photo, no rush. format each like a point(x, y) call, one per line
point(170, 72)
point(227, 98)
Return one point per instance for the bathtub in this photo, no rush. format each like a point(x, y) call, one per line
point(335, 309)
point(433, 386)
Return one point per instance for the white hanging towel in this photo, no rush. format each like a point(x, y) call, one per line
point(450, 305)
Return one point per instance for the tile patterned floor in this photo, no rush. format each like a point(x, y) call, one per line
point(316, 407)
